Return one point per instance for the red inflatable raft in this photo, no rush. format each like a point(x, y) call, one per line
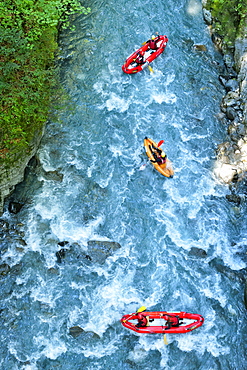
point(130, 65)
point(163, 322)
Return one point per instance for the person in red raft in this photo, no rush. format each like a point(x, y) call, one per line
point(171, 321)
point(139, 58)
point(142, 320)
point(153, 42)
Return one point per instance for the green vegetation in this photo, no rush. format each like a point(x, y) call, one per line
point(28, 42)
point(230, 18)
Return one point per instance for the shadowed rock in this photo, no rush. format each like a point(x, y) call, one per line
point(75, 331)
point(98, 251)
point(198, 252)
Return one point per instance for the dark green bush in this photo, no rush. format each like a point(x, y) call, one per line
point(229, 18)
point(28, 34)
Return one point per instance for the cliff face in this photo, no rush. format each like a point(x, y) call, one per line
point(10, 177)
point(231, 162)
point(240, 57)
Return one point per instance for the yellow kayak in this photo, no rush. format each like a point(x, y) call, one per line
point(164, 168)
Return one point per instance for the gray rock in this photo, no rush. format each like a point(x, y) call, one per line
point(232, 84)
point(207, 16)
point(15, 207)
point(233, 198)
point(75, 331)
point(4, 269)
point(198, 252)
point(98, 251)
point(231, 113)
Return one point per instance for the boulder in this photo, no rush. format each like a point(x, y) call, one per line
point(98, 251)
point(199, 47)
point(4, 269)
point(197, 252)
point(75, 331)
point(225, 172)
point(234, 198)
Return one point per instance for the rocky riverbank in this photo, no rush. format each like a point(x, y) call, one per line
point(11, 176)
point(231, 162)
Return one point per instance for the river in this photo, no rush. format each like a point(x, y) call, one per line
point(93, 182)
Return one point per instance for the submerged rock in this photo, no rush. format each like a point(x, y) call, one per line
point(4, 269)
point(234, 198)
point(75, 331)
point(198, 252)
point(98, 251)
point(199, 47)
point(245, 294)
point(15, 207)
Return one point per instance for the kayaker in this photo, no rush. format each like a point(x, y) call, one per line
point(139, 58)
point(153, 42)
point(142, 320)
point(160, 158)
point(172, 321)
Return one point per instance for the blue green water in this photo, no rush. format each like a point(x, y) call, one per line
point(89, 185)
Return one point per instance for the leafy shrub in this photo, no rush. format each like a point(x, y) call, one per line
point(229, 18)
point(28, 35)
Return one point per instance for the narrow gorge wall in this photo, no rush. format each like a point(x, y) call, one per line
point(10, 177)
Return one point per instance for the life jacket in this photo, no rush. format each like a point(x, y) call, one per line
point(163, 160)
point(142, 321)
point(139, 59)
point(153, 45)
point(173, 321)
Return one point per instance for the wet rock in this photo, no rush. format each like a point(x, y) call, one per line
point(231, 113)
point(4, 225)
point(234, 198)
point(199, 47)
point(15, 207)
point(53, 176)
point(63, 243)
point(217, 40)
point(197, 252)
point(4, 269)
point(207, 16)
point(100, 250)
point(20, 249)
point(225, 172)
point(53, 271)
point(218, 265)
point(22, 242)
point(232, 84)
point(60, 255)
point(245, 294)
point(75, 331)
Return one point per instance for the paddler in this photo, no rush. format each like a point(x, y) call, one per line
point(139, 58)
point(160, 157)
point(142, 320)
point(153, 42)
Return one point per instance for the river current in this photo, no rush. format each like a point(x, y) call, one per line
point(93, 182)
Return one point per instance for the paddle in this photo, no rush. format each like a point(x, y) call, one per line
point(160, 143)
point(165, 340)
point(150, 69)
point(141, 309)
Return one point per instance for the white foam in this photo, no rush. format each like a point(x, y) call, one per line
point(53, 346)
